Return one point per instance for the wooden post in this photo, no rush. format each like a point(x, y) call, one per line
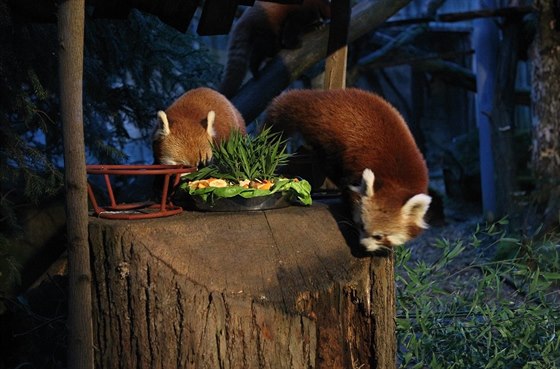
point(502, 116)
point(265, 289)
point(337, 48)
point(485, 43)
point(71, 51)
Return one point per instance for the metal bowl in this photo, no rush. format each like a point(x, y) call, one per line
point(237, 203)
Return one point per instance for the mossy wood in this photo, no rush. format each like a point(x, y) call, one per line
point(265, 289)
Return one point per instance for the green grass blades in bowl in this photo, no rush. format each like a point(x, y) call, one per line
point(246, 166)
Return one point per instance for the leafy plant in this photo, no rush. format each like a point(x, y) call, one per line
point(243, 160)
point(246, 157)
point(484, 314)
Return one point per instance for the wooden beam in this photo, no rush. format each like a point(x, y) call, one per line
point(253, 97)
point(432, 63)
point(502, 117)
point(337, 48)
point(464, 16)
point(405, 37)
point(486, 42)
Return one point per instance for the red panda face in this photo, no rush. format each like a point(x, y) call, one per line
point(188, 147)
point(386, 225)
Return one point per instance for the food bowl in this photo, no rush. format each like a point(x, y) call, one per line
point(237, 203)
point(137, 210)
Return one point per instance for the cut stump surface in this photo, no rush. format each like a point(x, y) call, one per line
point(264, 289)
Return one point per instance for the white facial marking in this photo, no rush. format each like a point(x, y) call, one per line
point(397, 239)
point(167, 161)
point(370, 244)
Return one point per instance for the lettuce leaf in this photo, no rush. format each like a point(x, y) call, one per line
point(298, 189)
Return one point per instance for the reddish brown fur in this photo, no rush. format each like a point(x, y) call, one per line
point(188, 141)
point(354, 130)
point(262, 31)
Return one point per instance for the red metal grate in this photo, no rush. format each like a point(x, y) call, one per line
point(139, 210)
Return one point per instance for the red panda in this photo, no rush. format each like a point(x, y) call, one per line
point(361, 137)
point(262, 31)
point(186, 128)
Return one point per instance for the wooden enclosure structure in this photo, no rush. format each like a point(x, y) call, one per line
point(264, 289)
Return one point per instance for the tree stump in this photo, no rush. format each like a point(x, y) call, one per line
point(265, 289)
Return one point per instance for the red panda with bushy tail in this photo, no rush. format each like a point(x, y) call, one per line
point(262, 31)
point(361, 137)
point(187, 127)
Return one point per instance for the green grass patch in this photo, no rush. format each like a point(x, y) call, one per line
point(498, 311)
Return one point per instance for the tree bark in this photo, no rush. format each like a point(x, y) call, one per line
point(253, 97)
point(545, 55)
point(265, 289)
point(71, 46)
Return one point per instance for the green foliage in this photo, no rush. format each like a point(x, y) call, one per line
point(132, 69)
point(246, 157)
point(483, 314)
point(243, 157)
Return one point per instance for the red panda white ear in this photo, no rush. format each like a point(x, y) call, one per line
point(210, 124)
point(164, 129)
point(366, 186)
point(415, 209)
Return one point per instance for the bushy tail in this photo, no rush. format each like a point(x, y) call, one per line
point(239, 49)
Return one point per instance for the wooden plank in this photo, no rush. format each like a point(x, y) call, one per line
point(217, 17)
point(335, 69)
point(337, 48)
point(502, 117)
